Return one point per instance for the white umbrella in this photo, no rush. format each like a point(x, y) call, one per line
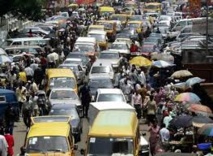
point(194, 80)
point(162, 64)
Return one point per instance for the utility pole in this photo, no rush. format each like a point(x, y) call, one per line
point(207, 27)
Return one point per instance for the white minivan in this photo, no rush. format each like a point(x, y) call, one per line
point(27, 41)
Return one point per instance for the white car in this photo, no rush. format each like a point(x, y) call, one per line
point(112, 57)
point(73, 61)
point(64, 96)
point(101, 69)
point(122, 47)
point(109, 95)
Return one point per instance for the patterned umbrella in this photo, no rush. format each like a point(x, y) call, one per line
point(181, 73)
point(200, 120)
point(187, 97)
point(206, 130)
point(200, 109)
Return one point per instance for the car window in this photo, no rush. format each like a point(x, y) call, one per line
point(98, 69)
point(79, 68)
point(16, 43)
point(110, 97)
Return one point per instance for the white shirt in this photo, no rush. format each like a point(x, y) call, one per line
point(136, 99)
point(3, 145)
point(51, 58)
point(167, 120)
point(29, 71)
point(34, 66)
point(142, 78)
point(126, 88)
point(164, 134)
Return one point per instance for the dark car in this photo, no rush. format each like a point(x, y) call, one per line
point(85, 60)
point(69, 110)
point(99, 82)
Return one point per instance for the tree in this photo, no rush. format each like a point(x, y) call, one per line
point(30, 9)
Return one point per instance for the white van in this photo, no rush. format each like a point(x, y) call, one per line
point(180, 25)
point(26, 41)
point(86, 43)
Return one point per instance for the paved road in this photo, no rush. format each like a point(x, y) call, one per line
point(20, 131)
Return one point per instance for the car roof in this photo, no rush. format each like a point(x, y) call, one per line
point(102, 32)
point(74, 59)
point(109, 91)
point(100, 78)
point(49, 129)
point(68, 65)
point(22, 47)
point(109, 52)
point(116, 123)
point(62, 106)
point(120, 42)
point(62, 89)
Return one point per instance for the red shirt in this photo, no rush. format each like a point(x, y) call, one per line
point(10, 142)
point(134, 48)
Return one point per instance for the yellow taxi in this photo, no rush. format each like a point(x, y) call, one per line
point(96, 27)
point(120, 17)
point(152, 7)
point(101, 38)
point(109, 27)
point(136, 25)
point(60, 78)
point(50, 135)
point(106, 10)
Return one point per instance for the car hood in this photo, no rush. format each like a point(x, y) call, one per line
point(65, 101)
point(126, 51)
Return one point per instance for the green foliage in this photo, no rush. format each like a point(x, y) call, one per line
point(31, 9)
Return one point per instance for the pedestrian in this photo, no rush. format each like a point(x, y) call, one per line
point(137, 103)
point(3, 144)
point(10, 116)
point(151, 109)
point(10, 141)
point(85, 98)
point(29, 73)
point(21, 96)
point(164, 136)
point(27, 112)
point(154, 136)
point(38, 75)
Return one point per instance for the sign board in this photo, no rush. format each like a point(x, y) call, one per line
point(199, 26)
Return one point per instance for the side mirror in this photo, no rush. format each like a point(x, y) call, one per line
point(82, 151)
point(75, 147)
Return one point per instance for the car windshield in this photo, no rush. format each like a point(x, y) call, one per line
point(72, 67)
point(135, 18)
point(110, 146)
point(99, 69)
point(147, 49)
point(110, 97)
point(62, 83)
point(100, 83)
point(133, 25)
point(119, 18)
point(98, 37)
point(72, 62)
point(123, 35)
point(65, 111)
point(108, 26)
point(109, 56)
point(118, 46)
point(152, 7)
point(83, 48)
point(45, 144)
point(63, 94)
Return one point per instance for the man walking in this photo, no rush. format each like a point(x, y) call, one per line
point(85, 98)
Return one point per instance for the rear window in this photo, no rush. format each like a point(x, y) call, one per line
point(98, 69)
